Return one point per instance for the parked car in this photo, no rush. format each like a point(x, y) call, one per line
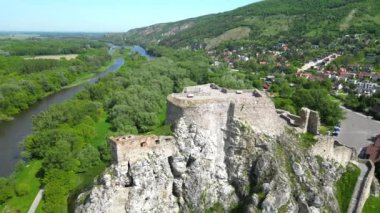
point(335, 133)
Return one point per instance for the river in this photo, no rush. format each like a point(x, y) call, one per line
point(13, 132)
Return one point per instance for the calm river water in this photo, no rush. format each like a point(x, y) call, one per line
point(12, 132)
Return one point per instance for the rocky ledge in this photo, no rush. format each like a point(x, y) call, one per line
point(216, 160)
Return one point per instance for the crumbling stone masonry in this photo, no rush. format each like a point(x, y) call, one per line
point(130, 148)
point(203, 103)
point(308, 121)
point(313, 123)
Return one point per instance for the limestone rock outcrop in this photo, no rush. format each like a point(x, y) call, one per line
point(224, 154)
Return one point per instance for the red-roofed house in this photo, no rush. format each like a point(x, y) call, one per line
point(303, 75)
point(362, 75)
point(343, 71)
point(373, 150)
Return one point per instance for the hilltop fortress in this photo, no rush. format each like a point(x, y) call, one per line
point(210, 108)
point(204, 103)
point(223, 141)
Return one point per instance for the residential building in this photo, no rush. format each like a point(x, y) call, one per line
point(373, 151)
point(366, 88)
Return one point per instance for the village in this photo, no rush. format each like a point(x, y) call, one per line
point(359, 77)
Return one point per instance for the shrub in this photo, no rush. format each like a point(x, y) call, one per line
point(22, 189)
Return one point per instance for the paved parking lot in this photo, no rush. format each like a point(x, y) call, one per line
point(357, 130)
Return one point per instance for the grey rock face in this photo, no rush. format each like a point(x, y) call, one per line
point(298, 169)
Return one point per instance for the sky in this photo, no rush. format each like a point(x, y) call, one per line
point(103, 15)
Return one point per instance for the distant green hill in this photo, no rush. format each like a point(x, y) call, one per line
point(267, 23)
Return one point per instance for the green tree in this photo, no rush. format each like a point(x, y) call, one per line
point(88, 158)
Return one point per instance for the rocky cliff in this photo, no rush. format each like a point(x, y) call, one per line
point(229, 151)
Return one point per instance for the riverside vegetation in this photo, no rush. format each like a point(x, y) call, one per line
point(70, 138)
point(68, 147)
point(23, 81)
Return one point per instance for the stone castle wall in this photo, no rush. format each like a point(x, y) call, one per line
point(254, 107)
point(328, 149)
point(308, 121)
point(313, 124)
point(131, 148)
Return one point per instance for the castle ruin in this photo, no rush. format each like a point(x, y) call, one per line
point(131, 148)
point(202, 103)
point(307, 122)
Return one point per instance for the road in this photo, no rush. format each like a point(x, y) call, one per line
point(357, 130)
point(36, 201)
point(310, 64)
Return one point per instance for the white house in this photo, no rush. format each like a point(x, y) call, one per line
point(367, 88)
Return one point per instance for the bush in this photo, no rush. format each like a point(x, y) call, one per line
point(22, 189)
point(307, 140)
point(6, 190)
point(323, 130)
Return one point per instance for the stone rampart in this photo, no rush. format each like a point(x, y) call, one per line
point(204, 102)
point(308, 121)
point(131, 148)
point(327, 148)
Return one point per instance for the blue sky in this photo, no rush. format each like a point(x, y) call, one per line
point(103, 15)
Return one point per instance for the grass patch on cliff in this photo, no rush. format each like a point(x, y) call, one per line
point(284, 158)
point(307, 140)
point(372, 205)
point(216, 208)
point(346, 185)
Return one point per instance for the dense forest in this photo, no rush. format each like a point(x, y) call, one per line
point(24, 81)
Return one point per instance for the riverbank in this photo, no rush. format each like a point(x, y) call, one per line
point(81, 79)
point(14, 131)
point(88, 76)
point(29, 175)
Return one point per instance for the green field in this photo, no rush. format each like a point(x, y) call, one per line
point(372, 205)
point(28, 177)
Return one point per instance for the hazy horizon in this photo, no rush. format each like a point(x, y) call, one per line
point(99, 16)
